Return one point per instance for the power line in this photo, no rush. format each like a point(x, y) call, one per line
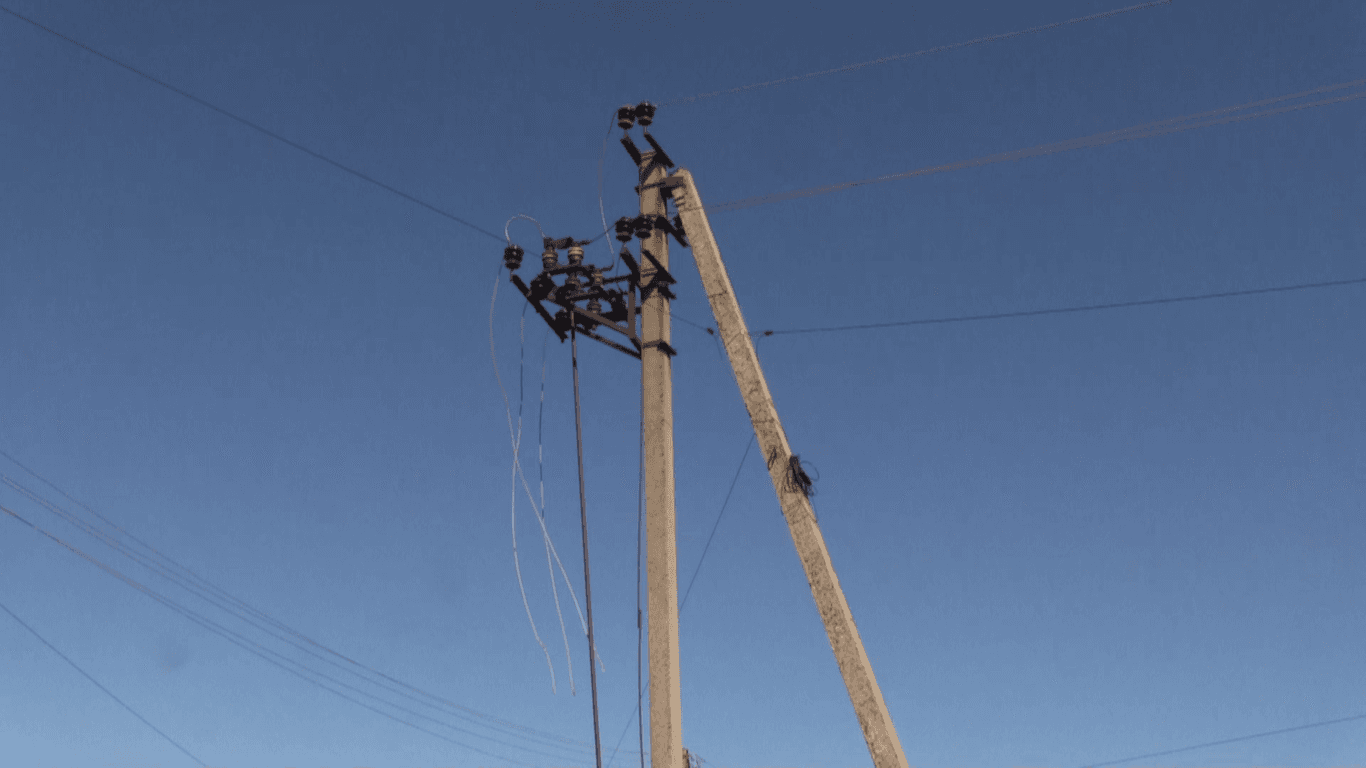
point(162, 565)
point(399, 687)
point(903, 56)
point(254, 126)
point(289, 665)
point(698, 568)
point(1233, 740)
point(1065, 310)
point(1146, 130)
point(107, 692)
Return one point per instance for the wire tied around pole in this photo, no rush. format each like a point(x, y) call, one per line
point(795, 479)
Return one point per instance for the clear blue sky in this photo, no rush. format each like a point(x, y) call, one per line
point(1066, 539)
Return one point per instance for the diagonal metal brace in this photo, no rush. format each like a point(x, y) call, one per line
point(661, 156)
point(540, 310)
point(608, 342)
point(660, 280)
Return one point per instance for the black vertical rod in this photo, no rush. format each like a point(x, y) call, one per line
point(583, 517)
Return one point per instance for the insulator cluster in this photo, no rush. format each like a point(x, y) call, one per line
point(644, 225)
point(583, 287)
point(586, 299)
point(642, 113)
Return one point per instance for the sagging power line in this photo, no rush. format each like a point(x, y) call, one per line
point(1233, 740)
point(904, 56)
point(1068, 310)
point(280, 660)
point(168, 568)
point(1146, 130)
point(252, 125)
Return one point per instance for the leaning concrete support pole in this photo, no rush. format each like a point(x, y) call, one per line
point(876, 722)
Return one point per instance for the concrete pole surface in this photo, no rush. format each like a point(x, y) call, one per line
point(661, 552)
point(873, 717)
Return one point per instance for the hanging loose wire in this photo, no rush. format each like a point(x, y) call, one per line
point(520, 475)
point(540, 470)
point(517, 465)
point(587, 577)
point(516, 217)
point(517, 443)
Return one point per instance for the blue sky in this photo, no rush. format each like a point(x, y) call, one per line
point(1066, 539)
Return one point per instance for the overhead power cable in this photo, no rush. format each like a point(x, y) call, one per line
point(254, 126)
point(1146, 130)
point(927, 51)
point(1065, 310)
point(97, 684)
point(280, 660)
point(696, 569)
point(171, 570)
point(1234, 740)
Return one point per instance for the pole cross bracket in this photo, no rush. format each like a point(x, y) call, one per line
point(662, 346)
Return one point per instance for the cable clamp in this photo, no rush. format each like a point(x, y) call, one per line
point(662, 346)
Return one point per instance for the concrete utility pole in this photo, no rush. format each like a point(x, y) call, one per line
point(656, 382)
point(578, 305)
point(788, 480)
point(649, 279)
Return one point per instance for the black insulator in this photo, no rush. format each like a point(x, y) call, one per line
point(626, 117)
point(595, 306)
point(575, 255)
point(594, 277)
point(645, 113)
point(625, 229)
point(644, 226)
point(550, 259)
point(512, 257)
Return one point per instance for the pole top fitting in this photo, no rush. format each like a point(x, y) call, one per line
point(645, 114)
point(642, 113)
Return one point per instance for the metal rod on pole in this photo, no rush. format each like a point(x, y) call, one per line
point(587, 579)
